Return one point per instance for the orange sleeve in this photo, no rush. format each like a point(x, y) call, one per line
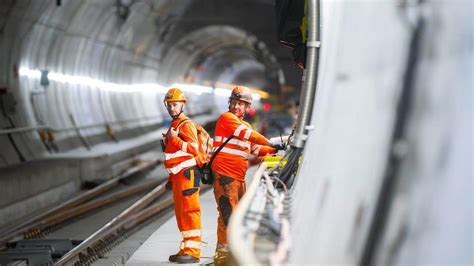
point(261, 150)
point(187, 140)
point(242, 131)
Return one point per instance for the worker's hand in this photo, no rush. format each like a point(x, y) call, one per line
point(172, 132)
point(278, 144)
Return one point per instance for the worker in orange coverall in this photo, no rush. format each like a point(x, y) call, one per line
point(231, 163)
point(181, 160)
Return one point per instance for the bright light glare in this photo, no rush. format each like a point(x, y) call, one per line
point(196, 89)
point(222, 92)
point(256, 96)
point(87, 81)
point(30, 73)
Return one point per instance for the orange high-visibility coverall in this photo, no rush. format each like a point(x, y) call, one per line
point(181, 157)
point(230, 167)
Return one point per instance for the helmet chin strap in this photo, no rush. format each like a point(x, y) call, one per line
point(176, 116)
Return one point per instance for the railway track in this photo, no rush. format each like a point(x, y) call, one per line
point(56, 237)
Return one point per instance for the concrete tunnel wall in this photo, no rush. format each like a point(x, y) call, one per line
point(345, 158)
point(106, 68)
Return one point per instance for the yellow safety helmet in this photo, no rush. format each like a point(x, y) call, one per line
point(241, 93)
point(174, 95)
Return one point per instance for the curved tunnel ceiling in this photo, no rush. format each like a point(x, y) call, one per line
point(83, 62)
point(221, 54)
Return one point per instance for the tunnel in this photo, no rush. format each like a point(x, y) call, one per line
point(365, 105)
point(81, 75)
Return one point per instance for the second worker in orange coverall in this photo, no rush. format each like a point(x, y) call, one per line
point(181, 158)
point(231, 163)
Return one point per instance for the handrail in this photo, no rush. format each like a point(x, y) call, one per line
point(239, 248)
point(45, 127)
point(105, 124)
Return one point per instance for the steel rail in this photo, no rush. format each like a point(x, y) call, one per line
point(31, 223)
point(105, 230)
point(77, 211)
point(117, 234)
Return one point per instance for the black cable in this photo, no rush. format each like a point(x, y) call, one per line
point(287, 172)
point(394, 164)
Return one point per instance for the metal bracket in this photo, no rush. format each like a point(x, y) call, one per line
point(314, 44)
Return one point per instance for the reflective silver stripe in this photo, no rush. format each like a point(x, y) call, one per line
point(237, 142)
point(240, 128)
point(240, 143)
point(235, 152)
point(179, 153)
point(247, 133)
point(191, 233)
point(181, 166)
point(195, 145)
point(256, 150)
point(190, 244)
point(184, 146)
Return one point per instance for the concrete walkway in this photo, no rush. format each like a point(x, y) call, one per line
point(165, 241)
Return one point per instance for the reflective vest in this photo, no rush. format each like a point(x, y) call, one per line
point(181, 151)
point(232, 160)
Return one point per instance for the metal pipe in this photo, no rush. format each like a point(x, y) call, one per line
point(22, 130)
point(44, 127)
point(308, 90)
point(27, 129)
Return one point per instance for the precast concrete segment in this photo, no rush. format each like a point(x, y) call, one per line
point(361, 76)
point(434, 188)
point(78, 46)
point(352, 120)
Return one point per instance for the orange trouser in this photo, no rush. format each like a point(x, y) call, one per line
point(228, 192)
point(187, 208)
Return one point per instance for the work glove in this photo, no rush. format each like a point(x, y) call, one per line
point(172, 132)
point(278, 144)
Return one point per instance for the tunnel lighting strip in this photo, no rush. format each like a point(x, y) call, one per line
point(87, 81)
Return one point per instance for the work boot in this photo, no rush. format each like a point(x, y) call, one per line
point(185, 258)
point(173, 258)
point(220, 257)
